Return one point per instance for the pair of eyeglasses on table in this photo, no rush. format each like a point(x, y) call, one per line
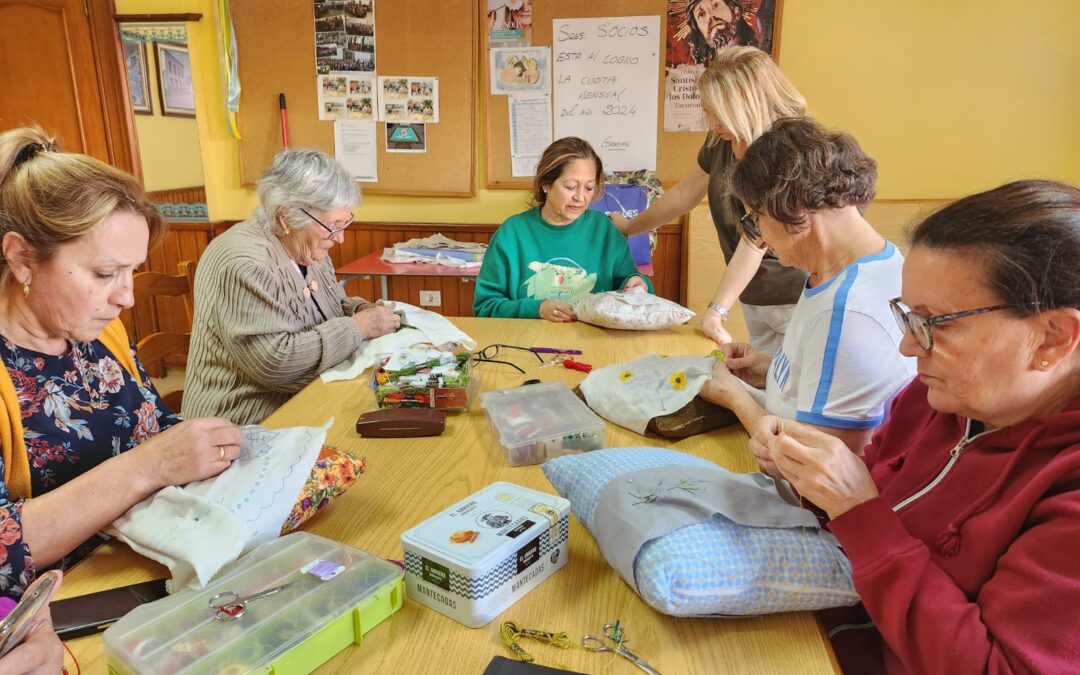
point(491, 353)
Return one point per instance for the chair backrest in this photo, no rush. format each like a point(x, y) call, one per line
point(154, 348)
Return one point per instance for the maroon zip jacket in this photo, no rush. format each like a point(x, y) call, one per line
point(969, 560)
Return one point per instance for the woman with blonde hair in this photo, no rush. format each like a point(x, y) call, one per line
point(742, 92)
point(84, 435)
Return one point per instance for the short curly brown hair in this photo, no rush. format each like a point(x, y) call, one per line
point(799, 166)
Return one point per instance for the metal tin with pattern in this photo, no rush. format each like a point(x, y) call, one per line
point(481, 555)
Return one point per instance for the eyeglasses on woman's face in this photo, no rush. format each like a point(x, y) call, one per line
point(333, 231)
point(751, 231)
point(921, 326)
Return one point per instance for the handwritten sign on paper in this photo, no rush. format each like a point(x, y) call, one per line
point(606, 78)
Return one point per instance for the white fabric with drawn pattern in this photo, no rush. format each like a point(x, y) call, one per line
point(634, 309)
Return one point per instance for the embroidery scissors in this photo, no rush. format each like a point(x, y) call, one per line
point(230, 605)
point(612, 634)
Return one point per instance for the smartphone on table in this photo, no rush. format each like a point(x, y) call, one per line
point(94, 612)
point(30, 611)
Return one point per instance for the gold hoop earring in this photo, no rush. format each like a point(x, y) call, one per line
point(26, 289)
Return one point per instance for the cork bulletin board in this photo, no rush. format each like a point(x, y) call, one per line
point(676, 152)
point(276, 50)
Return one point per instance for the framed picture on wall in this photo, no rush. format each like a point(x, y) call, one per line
point(174, 79)
point(138, 81)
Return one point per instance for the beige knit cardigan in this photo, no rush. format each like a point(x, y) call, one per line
point(257, 339)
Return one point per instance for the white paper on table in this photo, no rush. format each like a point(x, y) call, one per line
point(430, 327)
point(354, 146)
point(530, 131)
point(197, 529)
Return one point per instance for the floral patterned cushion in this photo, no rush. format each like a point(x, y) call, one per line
point(635, 309)
point(333, 473)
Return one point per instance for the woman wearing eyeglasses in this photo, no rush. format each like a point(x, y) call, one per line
point(961, 517)
point(804, 188)
point(269, 314)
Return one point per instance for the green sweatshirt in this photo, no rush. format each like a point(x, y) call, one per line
point(529, 261)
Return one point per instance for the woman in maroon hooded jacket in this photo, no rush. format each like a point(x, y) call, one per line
point(962, 518)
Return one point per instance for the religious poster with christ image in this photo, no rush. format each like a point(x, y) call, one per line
point(696, 29)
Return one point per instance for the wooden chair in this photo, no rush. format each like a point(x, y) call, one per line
point(155, 347)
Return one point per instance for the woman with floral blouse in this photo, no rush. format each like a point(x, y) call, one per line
point(84, 434)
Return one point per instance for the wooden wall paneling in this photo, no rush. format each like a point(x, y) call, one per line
point(189, 195)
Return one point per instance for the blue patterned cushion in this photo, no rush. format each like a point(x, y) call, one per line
point(714, 566)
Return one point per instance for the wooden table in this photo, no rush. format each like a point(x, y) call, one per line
point(373, 265)
point(409, 480)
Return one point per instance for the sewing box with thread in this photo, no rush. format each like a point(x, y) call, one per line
point(424, 378)
point(286, 607)
point(483, 554)
point(536, 422)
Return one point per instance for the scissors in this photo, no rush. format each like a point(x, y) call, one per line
point(595, 643)
point(229, 605)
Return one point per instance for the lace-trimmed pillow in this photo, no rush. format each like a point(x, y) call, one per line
point(693, 539)
point(635, 309)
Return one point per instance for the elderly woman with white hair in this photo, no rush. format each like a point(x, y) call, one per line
point(269, 314)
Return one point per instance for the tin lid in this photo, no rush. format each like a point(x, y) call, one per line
point(537, 412)
point(181, 634)
point(482, 529)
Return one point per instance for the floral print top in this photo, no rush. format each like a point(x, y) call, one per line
point(78, 410)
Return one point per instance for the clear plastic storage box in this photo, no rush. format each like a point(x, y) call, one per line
point(536, 422)
point(294, 630)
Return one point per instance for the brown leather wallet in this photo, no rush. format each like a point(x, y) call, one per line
point(401, 423)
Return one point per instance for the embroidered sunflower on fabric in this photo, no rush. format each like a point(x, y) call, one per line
point(626, 375)
point(678, 380)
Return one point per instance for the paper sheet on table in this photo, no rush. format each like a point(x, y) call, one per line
point(196, 529)
point(430, 327)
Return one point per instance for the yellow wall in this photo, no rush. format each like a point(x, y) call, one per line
point(950, 96)
point(168, 146)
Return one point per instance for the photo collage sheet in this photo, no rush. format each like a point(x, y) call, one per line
point(355, 98)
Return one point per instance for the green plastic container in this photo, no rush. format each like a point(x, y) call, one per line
point(293, 631)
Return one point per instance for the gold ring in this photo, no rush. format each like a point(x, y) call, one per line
point(221, 452)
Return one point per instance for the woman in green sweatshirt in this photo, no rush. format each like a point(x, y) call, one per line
point(542, 260)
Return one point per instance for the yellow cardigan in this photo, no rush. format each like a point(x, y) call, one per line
point(16, 458)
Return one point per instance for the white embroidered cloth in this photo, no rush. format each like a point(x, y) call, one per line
point(430, 328)
point(196, 529)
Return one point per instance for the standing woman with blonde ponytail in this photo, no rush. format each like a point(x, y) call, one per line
point(743, 92)
point(83, 433)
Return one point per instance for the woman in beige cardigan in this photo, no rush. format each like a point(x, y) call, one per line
point(269, 314)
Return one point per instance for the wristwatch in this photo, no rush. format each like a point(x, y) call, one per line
point(720, 309)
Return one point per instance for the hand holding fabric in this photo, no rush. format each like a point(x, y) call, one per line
point(748, 365)
point(820, 467)
point(376, 320)
point(192, 450)
point(636, 282)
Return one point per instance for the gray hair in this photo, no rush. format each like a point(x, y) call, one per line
point(303, 179)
